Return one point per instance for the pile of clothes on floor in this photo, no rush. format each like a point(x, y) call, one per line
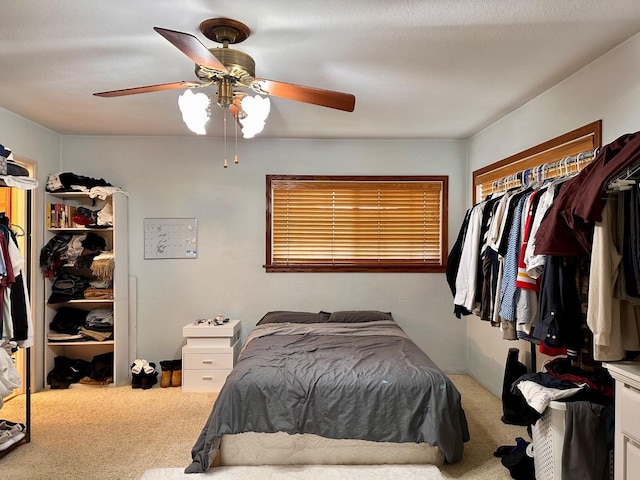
point(588, 435)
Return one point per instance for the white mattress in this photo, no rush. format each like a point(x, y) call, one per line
point(307, 449)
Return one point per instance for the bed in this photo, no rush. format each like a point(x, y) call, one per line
point(342, 387)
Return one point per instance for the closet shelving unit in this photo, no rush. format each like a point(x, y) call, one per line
point(116, 239)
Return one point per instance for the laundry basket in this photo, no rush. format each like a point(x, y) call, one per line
point(548, 437)
point(548, 440)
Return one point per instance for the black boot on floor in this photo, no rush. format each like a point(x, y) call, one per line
point(149, 376)
point(136, 378)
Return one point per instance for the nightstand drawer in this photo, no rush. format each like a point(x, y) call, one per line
point(630, 410)
point(204, 361)
point(204, 380)
point(212, 342)
point(632, 456)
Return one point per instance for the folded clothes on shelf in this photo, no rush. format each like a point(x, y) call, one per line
point(67, 287)
point(103, 265)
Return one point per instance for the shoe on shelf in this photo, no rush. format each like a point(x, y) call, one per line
point(8, 425)
point(5, 440)
point(176, 373)
point(10, 437)
point(12, 429)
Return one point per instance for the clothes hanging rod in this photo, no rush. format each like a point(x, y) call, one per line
point(539, 173)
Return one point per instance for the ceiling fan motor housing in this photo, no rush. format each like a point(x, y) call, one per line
point(240, 66)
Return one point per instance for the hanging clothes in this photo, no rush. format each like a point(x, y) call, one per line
point(466, 276)
point(613, 316)
point(542, 275)
point(6, 282)
point(18, 300)
point(17, 323)
point(567, 229)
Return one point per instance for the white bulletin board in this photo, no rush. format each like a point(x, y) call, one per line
point(170, 238)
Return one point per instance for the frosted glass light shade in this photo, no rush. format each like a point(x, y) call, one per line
point(195, 110)
point(257, 110)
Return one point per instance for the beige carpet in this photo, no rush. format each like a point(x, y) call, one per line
point(120, 433)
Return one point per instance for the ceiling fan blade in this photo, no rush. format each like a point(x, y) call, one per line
point(300, 93)
point(148, 88)
point(192, 48)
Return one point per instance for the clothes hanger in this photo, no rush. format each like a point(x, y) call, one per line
point(21, 232)
point(625, 180)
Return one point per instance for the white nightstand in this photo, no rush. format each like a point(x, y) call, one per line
point(209, 355)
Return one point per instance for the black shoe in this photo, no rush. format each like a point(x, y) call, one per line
point(149, 379)
point(136, 378)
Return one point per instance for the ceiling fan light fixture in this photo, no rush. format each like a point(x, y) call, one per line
point(195, 110)
point(256, 110)
point(228, 69)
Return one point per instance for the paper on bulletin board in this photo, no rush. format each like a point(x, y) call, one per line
point(170, 238)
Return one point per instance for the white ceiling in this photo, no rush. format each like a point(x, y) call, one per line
point(418, 68)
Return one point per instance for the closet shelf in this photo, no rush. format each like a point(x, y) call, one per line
point(79, 343)
point(70, 195)
point(84, 301)
point(80, 229)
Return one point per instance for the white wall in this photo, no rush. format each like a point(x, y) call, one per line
point(607, 89)
point(184, 177)
point(40, 147)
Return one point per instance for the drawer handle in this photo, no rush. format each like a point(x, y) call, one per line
point(207, 378)
point(632, 388)
point(207, 361)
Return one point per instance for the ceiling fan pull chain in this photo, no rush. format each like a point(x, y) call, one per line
point(235, 158)
point(224, 116)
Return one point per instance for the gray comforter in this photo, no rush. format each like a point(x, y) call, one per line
point(364, 381)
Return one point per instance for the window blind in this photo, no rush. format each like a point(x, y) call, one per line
point(357, 223)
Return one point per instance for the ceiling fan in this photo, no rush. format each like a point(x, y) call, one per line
point(230, 69)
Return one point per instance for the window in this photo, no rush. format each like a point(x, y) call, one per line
point(356, 223)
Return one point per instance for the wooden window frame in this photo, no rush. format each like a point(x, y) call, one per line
point(438, 266)
point(587, 137)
